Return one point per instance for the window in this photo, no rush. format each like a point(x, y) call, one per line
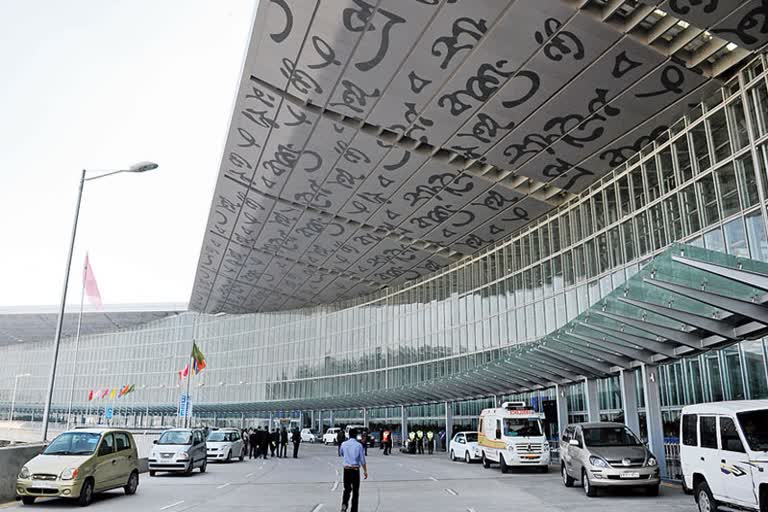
point(708, 431)
point(700, 147)
point(667, 170)
point(738, 123)
point(122, 442)
point(754, 364)
point(629, 239)
point(758, 108)
point(611, 205)
point(638, 190)
point(736, 238)
point(729, 194)
point(689, 430)
point(745, 173)
point(758, 243)
point(690, 209)
point(652, 179)
point(672, 208)
point(683, 158)
point(709, 200)
point(719, 130)
point(107, 445)
point(624, 196)
point(729, 436)
point(753, 425)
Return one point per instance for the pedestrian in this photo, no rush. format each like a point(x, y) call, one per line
point(283, 451)
point(296, 438)
point(420, 441)
point(253, 444)
point(339, 440)
point(381, 439)
point(386, 441)
point(264, 443)
point(274, 440)
point(411, 442)
point(354, 459)
point(363, 438)
point(430, 441)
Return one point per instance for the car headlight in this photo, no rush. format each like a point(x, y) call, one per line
point(545, 447)
point(598, 462)
point(651, 461)
point(68, 474)
point(183, 456)
point(24, 473)
point(511, 447)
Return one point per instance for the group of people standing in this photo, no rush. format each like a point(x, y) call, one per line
point(261, 442)
point(419, 440)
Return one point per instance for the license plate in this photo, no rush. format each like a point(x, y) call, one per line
point(45, 485)
point(630, 475)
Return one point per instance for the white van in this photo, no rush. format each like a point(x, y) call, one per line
point(724, 454)
point(330, 435)
point(512, 435)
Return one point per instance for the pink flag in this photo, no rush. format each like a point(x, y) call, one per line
point(91, 288)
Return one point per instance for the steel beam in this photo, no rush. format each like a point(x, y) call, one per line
point(700, 322)
point(749, 278)
point(680, 337)
point(639, 341)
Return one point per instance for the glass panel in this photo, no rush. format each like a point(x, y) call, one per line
point(713, 240)
point(758, 243)
point(715, 379)
point(758, 108)
point(638, 190)
point(602, 253)
point(587, 224)
point(729, 193)
point(745, 173)
point(736, 238)
point(720, 139)
point(738, 124)
point(672, 207)
point(611, 205)
point(667, 170)
point(629, 239)
point(700, 147)
point(658, 227)
point(733, 373)
point(624, 196)
point(754, 363)
point(652, 179)
point(643, 236)
point(597, 203)
point(709, 199)
point(616, 254)
point(683, 158)
point(690, 209)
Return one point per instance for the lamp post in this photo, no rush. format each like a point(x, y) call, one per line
point(137, 168)
point(15, 387)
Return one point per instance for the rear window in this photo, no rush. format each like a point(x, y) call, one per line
point(708, 431)
point(471, 437)
point(689, 430)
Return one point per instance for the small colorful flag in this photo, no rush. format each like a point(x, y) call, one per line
point(183, 373)
point(112, 394)
point(198, 359)
point(90, 395)
point(123, 391)
point(104, 393)
point(131, 388)
point(89, 282)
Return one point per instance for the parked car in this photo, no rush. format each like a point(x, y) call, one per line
point(330, 435)
point(78, 464)
point(225, 445)
point(606, 454)
point(464, 447)
point(308, 435)
point(179, 450)
point(358, 428)
point(724, 454)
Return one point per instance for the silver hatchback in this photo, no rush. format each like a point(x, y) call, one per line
point(606, 455)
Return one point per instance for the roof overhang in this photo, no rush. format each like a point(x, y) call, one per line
point(373, 144)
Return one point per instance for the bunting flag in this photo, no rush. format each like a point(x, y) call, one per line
point(198, 359)
point(112, 394)
point(123, 391)
point(89, 283)
point(183, 373)
point(131, 388)
point(90, 395)
point(104, 393)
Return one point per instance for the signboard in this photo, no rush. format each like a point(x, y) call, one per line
point(108, 412)
point(185, 405)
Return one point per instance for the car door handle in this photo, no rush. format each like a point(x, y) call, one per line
point(702, 459)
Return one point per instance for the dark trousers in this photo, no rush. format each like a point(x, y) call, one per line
point(387, 447)
point(283, 450)
point(420, 447)
point(296, 450)
point(351, 486)
point(430, 446)
point(254, 451)
point(264, 450)
point(272, 448)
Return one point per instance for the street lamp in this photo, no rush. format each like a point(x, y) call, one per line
point(15, 387)
point(136, 168)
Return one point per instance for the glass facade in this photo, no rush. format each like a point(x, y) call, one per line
point(703, 181)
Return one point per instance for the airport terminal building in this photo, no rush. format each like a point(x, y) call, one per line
point(427, 207)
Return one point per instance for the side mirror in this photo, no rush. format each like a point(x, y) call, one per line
point(574, 442)
point(154, 442)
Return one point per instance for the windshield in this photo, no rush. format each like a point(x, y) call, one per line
point(471, 437)
point(73, 443)
point(610, 436)
point(753, 425)
point(217, 436)
point(522, 427)
point(175, 437)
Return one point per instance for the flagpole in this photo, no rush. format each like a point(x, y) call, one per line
point(77, 344)
point(189, 374)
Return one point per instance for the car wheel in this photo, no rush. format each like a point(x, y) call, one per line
point(133, 484)
point(229, 456)
point(467, 458)
point(189, 468)
point(152, 473)
point(567, 480)
point(503, 464)
point(28, 500)
point(589, 489)
point(205, 466)
point(652, 490)
point(486, 462)
point(453, 456)
point(704, 499)
point(86, 494)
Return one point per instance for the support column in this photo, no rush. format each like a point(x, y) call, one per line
point(629, 400)
point(448, 425)
point(320, 422)
point(653, 416)
point(365, 417)
point(312, 419)
point(331, 418)
point(495, 401)
point(271, 420)
point(301, 420)
point(593, 404)
point(562, 409)
point(403, 425)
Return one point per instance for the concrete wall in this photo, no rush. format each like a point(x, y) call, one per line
point(12, 458)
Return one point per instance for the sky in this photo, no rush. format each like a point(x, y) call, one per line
point(102, 84)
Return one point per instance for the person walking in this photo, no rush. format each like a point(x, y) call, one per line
point(354, 459)
point(430, 441)
point(283, 451)
point(420, 441)
point(296, 438)
point(339, 440)
point(264, 444)
point(244, 437)
point(364, 441)
point(253, 444)
point(386, 441)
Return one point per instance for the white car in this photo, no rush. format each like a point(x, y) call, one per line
point(463, 446)
point(358, 428)
point(724, 454)
point(330, 435)
point(308, 435)
point(225, 445)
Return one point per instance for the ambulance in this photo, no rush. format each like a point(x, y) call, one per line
point(513, 435)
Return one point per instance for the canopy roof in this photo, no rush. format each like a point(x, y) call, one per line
point(375, 142)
